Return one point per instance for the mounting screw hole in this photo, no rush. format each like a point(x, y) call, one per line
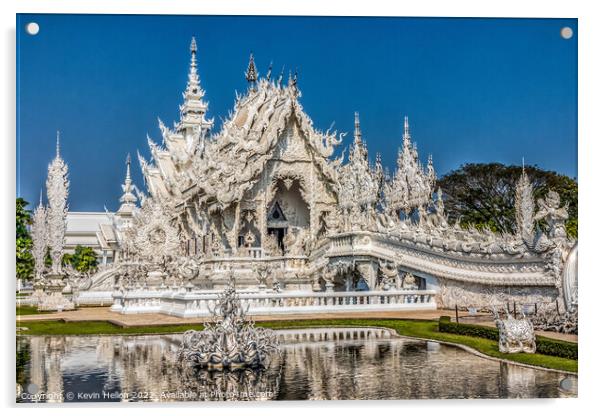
point(32, 28)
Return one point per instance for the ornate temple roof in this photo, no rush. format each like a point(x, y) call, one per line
point(225, 165)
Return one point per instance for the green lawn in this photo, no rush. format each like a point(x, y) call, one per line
point(97, 328)
point(410, 328)
point(28, 310)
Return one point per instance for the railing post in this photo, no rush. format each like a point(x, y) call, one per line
point(457, 321)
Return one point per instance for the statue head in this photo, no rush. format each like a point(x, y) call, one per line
point(553, 199)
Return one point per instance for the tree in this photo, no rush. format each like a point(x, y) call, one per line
point(23, 241)
point(483, 194)
point(83, 259)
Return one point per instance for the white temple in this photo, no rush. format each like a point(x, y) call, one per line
point(264, 202)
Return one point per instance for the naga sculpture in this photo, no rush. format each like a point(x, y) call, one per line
point(230, 340)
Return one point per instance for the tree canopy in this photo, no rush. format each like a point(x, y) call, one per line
point(482, 195)
point(25, 261)
point(83, 259)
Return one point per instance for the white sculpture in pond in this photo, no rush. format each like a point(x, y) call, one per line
point(229, 341)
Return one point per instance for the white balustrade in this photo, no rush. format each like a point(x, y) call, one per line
point(191, 304)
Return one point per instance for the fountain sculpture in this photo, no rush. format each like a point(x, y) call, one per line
point(515, 335)
point(230, 340)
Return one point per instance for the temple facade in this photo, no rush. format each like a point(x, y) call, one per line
point(267, 202)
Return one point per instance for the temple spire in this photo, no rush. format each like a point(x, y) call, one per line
point(193, 85)
point(251, 72)
point(128, 162)
point(128, 199)
point(357, 133)
point(193, 110)
point(58, 143)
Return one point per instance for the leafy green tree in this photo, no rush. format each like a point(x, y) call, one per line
point(483, 194)
point(83, 259)
point(25, 263)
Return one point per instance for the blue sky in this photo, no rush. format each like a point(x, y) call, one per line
point(476, 90)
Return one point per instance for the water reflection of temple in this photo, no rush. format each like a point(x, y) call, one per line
point(342, 363)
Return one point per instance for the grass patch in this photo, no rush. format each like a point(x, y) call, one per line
point(98, 328)
point(410, 328)
point(28, 310)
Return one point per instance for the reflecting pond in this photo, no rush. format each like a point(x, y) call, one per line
point(317, 364)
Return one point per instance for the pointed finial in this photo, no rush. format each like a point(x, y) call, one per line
point(523, 164)
point(128, 162)
point(40, 197)
point(193, 76)
point(406, 127)
point(357, 134)
point(269, 74)
point(58, 143)
point(251, 72)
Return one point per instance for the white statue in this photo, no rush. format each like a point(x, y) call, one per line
point(555, 215)
point(515, 335)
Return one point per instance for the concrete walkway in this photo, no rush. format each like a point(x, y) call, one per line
point(155, 319)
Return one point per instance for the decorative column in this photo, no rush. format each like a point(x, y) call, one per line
point(39, 236)
point(57, 191)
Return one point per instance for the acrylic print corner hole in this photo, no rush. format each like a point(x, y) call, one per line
point(32, 28)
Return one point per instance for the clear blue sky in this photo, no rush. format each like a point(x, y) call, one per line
point(476, 90)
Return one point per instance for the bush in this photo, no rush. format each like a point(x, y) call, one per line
point(557, 348)
point(545, 346)
point(445, 325)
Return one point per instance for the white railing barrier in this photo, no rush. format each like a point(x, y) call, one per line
point(200, 304)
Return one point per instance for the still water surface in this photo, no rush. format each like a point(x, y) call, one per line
point(321, 364)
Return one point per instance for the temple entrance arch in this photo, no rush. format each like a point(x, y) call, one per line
point(288, 210)
point(277, 224)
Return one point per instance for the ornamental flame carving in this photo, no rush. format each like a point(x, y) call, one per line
point(153, 236)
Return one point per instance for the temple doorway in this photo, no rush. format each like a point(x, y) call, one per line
point(288, 210)
point(277, 224)
point(279, 233)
